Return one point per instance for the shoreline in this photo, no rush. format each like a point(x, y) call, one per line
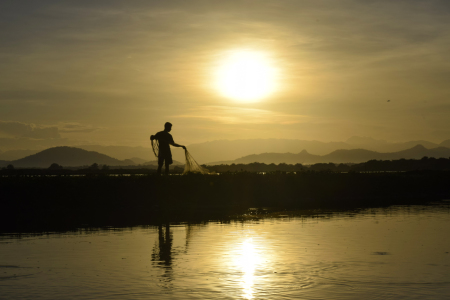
point(67, 202)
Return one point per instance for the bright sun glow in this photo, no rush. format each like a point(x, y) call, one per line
point(248, 262)
point(246, 76)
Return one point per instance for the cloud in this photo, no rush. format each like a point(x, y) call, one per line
point(238, 115)
point(11, 129)
point(115, 64)
point(19, 135)
point(22, 143)
point(18, 129)
point(76, 128)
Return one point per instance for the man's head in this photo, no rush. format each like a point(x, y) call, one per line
point(168, 126)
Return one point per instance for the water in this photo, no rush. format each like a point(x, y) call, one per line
point(395, 253)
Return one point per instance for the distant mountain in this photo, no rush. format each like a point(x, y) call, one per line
point(420, 151)
point(289, 158)
point(340, 156)
point(16, 154)
point(155, 163)
point(7, 143)
point(226, 150)
point(357, 142)
point(410, 144)
point(138, 161)
point(67, 157)
point(445, 143)
point(118, 152)
point(122, 152)
point(223, 150)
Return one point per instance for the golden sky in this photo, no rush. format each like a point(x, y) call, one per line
point(112, 72)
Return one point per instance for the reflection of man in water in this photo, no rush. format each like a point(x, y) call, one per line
point(165, 139)
point(162, 253)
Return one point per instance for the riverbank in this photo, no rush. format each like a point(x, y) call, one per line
point(29, 203)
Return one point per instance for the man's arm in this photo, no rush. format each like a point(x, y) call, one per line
point(171, 142)
point(176, 145)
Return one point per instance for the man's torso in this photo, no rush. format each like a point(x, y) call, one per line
point(164, 139)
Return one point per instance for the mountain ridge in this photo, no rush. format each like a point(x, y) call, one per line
point(74, 157)
point(340, 156)
point(67, 157)
point(229, 150)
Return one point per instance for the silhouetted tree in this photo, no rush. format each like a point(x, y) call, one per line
point(55, 166)
point(94, 166)
point(9, 167)
point(343, 168)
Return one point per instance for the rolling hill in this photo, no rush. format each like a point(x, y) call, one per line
point(230, 150)
point(67, 157)
point(16, 154)
point(227, 150)
point(122, 152)
point(340, 156)
point(445, 143)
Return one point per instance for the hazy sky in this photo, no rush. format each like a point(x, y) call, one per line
point(112, 72)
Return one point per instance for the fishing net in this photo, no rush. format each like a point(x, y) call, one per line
point(192, 166)
point(155, 146)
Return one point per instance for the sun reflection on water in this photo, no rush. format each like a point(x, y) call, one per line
point(248, 261)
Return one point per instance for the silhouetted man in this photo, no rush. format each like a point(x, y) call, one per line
point(165, 139)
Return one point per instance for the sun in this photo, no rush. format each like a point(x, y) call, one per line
point(246, 76)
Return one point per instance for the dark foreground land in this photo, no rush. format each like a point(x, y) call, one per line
point(63, 202)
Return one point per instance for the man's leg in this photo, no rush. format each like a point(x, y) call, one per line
point(160, 164)
point(169, 161)
point(167, 167)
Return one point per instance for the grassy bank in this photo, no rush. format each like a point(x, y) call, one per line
point(51, 202)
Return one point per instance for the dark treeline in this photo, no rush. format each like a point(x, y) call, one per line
point(262, 167)
point(44, 202)
point(75, 172)
point(425, 163)
point(56, 169)
point(256, 167)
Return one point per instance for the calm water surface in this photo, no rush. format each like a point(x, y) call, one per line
point(395, 253)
